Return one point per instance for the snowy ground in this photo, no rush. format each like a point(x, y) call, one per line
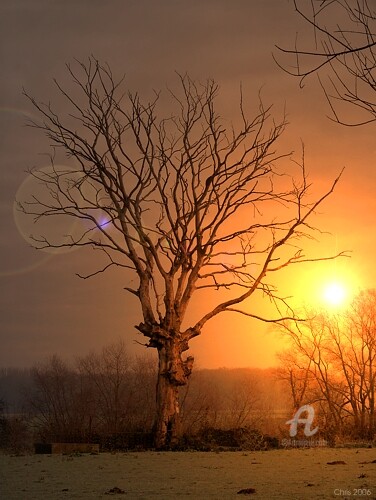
point(292, 474)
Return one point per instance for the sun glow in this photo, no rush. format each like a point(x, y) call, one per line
point(326, 289)
point(335, 294)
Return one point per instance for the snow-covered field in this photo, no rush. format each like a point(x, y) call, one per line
point(292, 474)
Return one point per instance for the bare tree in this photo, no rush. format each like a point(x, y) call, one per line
point(339, 354)
point(243, 401)
point(58, 402)
point(201, 402)
point(341, 52)
point(183, 203)
point(311, 371)
point(142, 408)
point(294, 369)
point(358, 362)
point(108, 377)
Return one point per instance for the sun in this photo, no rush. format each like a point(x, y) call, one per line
point(335, 294)
point(326, 289)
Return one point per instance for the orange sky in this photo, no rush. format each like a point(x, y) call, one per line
point(45, 307)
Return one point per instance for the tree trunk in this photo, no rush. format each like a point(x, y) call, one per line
point(173, 373)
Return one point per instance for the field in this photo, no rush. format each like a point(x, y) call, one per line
point(291, 474)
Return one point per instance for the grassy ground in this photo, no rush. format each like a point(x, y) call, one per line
point(292, 474)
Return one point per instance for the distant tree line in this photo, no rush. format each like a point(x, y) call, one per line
point(109, 398)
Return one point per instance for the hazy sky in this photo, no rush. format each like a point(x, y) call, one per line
point(45, 307)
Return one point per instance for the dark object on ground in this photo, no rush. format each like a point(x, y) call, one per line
point(336, 462)
point(136, 440)
point(115, 491)
point(65, 448)
point(247, 491)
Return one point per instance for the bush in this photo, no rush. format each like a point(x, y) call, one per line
point(14, 435)
point(137, 440)
point(242, 438)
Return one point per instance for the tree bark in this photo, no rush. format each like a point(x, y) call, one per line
point(173, 373)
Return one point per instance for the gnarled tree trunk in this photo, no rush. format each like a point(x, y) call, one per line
point(173, 373)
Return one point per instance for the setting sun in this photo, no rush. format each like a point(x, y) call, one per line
point(335, 294)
